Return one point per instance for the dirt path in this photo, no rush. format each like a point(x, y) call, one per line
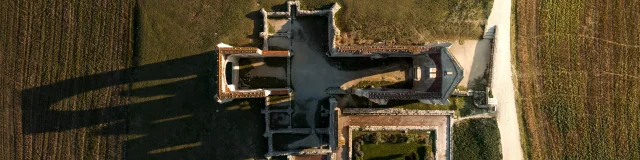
point(503, 87)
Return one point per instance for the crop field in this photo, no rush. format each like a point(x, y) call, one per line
point(173, 113)
point(63, 65)
point(578, 65)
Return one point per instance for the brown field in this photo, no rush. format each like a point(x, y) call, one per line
point(578, 65)
point(63, 66)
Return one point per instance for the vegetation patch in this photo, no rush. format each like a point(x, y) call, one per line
point(276, 62)
point(392, 145)
point(263, 82)
point(384, 84)
point(246, 65)
point(476, 139)
point(463, 106)
point(362, 63)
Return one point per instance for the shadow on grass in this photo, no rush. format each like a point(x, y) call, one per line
point(185, 122)
point(205, 123)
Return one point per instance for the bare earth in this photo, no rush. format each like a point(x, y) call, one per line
point(503, 83)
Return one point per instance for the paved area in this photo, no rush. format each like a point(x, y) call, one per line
point(503, 87)
point(473, 57)
point(443, 124)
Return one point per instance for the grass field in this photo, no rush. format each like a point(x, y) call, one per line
point(420, 145)
point(402, 21)
point(577, 65)
point(462, 106)
point(476, 139)
point(173, 110)
point(63, 65)
point(389, 151)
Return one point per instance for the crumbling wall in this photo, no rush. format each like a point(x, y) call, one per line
point(397, 111)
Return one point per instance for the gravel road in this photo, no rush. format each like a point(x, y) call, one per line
point(502, 84)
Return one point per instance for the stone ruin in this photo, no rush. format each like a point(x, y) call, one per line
point(435, 74)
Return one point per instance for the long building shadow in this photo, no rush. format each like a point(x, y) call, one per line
point(33, 107)
point(201, 129)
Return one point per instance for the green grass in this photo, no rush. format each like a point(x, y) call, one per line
point(413, 22)
point(390, 151)
point(174, 44)
point(420, 144)
point(476, 139)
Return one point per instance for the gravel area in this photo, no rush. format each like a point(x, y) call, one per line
point(502, 86)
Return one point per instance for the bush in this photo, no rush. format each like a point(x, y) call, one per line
point(375, 138)
point(476, 139)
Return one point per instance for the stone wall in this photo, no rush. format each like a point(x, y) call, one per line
point(269, 132)
point(397, 111)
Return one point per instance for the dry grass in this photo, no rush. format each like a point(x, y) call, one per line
point(401, 21)
point(174, 79)
point(578, 67)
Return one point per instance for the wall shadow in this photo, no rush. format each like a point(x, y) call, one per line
point(479, 66)
point(214, 127)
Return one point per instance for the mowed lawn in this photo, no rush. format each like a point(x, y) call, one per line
point(402, 21)
point(391, 151)
point(578, 67)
